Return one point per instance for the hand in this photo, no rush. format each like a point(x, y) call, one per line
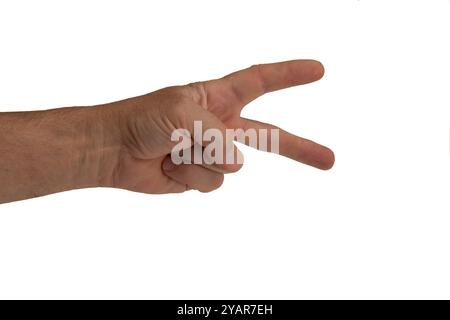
point(126, 144)
point(146, 124)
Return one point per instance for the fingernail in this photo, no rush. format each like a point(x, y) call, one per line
point(168, 165)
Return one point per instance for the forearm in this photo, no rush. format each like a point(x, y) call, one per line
point(44, 152)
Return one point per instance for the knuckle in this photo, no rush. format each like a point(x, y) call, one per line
point(197, 92)
point(255, 66)
point(219, 181)
point(233, 167)
point(216, 183)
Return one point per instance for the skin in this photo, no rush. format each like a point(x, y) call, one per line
point(126, 144)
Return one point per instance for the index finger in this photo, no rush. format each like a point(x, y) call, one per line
point(250, 83)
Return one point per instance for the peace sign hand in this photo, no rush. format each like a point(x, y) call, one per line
point(147, 123)
point(227, 97)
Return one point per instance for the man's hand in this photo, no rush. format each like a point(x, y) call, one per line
point(126, 144)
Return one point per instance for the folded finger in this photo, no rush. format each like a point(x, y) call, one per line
point(193, 176)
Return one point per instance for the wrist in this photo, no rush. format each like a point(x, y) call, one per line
point(50, 151)
point(87, 146)
point(101, 146)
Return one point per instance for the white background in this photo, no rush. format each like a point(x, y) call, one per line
point(376, 226)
